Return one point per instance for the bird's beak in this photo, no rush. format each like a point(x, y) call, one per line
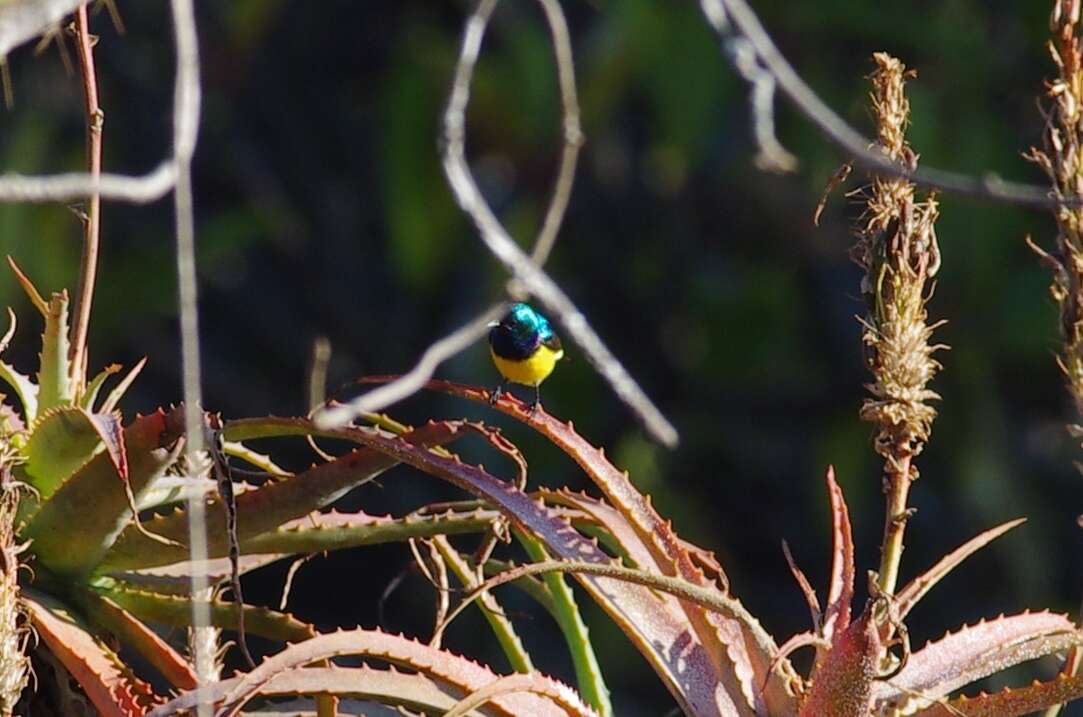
point(493, 324)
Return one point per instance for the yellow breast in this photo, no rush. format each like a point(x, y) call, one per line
point(531, 371)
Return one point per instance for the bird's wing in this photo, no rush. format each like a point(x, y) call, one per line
point(553, 342)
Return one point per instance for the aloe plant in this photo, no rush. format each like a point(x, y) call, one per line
point(101, 576)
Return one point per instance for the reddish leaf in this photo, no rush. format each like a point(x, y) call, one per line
point(841, 591)
point(415, 692)
point(975, 652)
point(138, 635)
point(108, 684)
point(436, 664)
point(1011, 702)
point(742, 653)
point(264, 508)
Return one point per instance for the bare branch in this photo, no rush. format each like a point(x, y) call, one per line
point(79, 185)
point(475, 329)
point(735, 22)
point(415, 380)
point(186, 106)
point(573, 134)
point(88, 267)
point(504, 248)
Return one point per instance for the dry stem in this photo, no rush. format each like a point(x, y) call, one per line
point(1061, 161)
point(897, 248)
point(92, 222)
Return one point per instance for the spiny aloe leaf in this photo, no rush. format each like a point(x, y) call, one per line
point(841, 591)
point(331, 531)
point(410, 691)
point(742, 653)
point(54, 379)
point(108, 684)
point(436, 664)
point(844, 680)
point(176, 579)
point(54, 373)
point(63, 440)
point(565, 611)
point(32, 292)
point(73, 529)
point(90, 395)
point(121, 388)
point(267, 507)
point(662, 635)
point(110, 616)
point(975, 652)
point(25, 389)
point(523, 684)
point(1013, 702)
point(259, 460)
point(10, 333)
point(176, 610)
point(917, 588)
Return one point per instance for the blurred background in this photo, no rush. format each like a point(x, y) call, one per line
point(322, 211)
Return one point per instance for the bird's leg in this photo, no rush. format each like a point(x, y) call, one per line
point(497, 392)
point(536, 403)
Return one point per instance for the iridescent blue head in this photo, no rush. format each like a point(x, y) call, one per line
point(519, 334)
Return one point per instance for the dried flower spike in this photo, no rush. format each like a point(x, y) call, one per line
point(897, 248)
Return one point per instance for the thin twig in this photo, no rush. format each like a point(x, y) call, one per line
point(573, 133)
point(88, 268)
point(734, 18)
point(186, 106)
point(468, 334)
point(515, 260)
point(412, 382)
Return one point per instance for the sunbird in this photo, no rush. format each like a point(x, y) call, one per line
point(525, 349)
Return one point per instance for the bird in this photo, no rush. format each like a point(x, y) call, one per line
point(525, 350)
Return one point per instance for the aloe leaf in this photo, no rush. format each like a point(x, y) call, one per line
point(136, 634)
point(111, 687)
point(32, 292)
point(10, 333)
point(25, 389)
point(254, 458)
point(75, 526)
point(267, 507)
point(588, 673)
point(410, 691)
point(433, 663)
point(1013, 702)
point(62, 441)
point(121, 388)
point(742, 652)
point(90, 395)
point(840, 592)
point(917, 588)
point(662, 634)
point(332, 531)
point(176, 579)
point(176, 610)
point(975, 652)
point(54, 375)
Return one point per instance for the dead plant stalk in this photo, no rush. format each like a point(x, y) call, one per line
point(88, 268)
